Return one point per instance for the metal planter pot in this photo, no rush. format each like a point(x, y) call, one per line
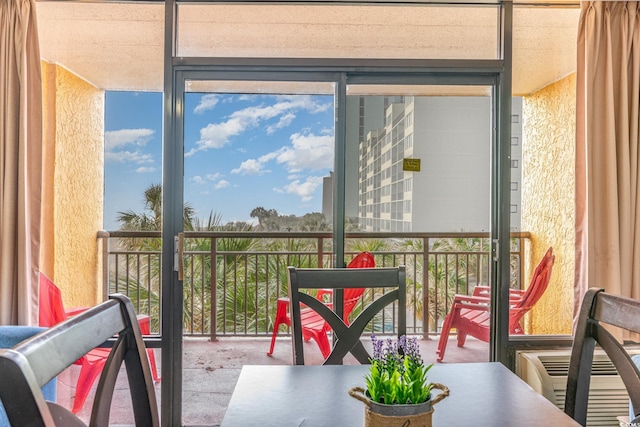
point(381, 415)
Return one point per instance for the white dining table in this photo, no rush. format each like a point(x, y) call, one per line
point(481, 394)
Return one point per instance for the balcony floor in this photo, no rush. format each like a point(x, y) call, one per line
point(211, 369)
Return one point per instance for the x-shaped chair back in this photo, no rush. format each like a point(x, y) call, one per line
point(346, 337)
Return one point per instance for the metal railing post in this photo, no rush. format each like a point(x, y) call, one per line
point(425, 288)
point(213, 288)
point(320, 252)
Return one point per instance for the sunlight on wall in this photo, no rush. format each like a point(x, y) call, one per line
point(548, 198)
point(73, 184)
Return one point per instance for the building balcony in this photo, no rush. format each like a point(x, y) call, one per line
point(238, 297)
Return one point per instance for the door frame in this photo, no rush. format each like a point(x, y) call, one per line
point(498, 71)
point(341, 73)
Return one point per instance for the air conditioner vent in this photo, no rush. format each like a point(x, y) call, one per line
point(546, 373)
point(559, 365)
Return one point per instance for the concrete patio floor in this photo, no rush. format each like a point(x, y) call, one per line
point(211, 369)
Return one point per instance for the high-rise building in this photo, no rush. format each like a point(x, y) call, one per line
point(451, 137)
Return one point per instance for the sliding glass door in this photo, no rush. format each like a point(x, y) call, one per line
point(306, 168)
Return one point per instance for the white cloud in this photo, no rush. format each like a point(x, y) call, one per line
point(128, 157)
point(144, 169)
point(250, 167)
point(117, 141)
point(308, 151)
point(212, 177)
point(207, 102)
point(282, 123)
point(306, 102)
point(303, 189)
point(217, 135)
point(269, 156)
point(222, 184)
point(119, 138)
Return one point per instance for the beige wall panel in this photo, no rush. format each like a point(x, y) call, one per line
point(78, 187)
point(548, 198)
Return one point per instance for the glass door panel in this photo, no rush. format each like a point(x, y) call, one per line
point(418, 181)
point(258, 157)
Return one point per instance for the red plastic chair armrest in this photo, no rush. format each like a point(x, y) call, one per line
point(481, 291)
point(471, 299)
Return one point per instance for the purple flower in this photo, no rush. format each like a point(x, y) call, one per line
point(412, 351)
point(377, 348)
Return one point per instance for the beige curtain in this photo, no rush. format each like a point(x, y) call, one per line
point(20, 161)
point(607, 149)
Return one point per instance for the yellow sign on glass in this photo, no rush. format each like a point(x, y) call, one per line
point(411, 165)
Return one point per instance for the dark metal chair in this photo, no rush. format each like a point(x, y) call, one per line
point(346, 336)
point(599, 310)
point(313, 326)
point(29, 365)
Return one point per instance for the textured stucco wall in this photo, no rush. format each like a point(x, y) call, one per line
point(47, 236)
point(75, 195)
point(548, 210)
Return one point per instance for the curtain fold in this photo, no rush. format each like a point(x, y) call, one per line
point(607, 174)
point(20, 161)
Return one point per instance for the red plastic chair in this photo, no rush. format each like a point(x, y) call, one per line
point(470, 314)
point(313, 325)
point(52, 312)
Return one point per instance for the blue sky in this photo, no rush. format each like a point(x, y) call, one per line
point(241, 151)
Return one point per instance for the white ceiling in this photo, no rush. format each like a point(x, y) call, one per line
point(119, 46)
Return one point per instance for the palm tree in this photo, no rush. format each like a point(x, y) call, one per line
point(145, 268)
point(151, 218)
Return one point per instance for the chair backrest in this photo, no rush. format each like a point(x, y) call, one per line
point(50, 306)
point(599, 311)
point(34, 362)
point(347, 337)
point(539, 282)
point(352, 295)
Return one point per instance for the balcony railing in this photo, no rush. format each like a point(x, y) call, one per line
point(238, 296)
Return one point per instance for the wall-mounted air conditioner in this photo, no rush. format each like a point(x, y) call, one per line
point(546, 373)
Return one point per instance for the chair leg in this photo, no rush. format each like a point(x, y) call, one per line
point(323, 343)
point(462, 337)
point(88, 374)
point(444, 337)
point(282, 316)
point(152, 365)
point(273, 338)
point(144, 322)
